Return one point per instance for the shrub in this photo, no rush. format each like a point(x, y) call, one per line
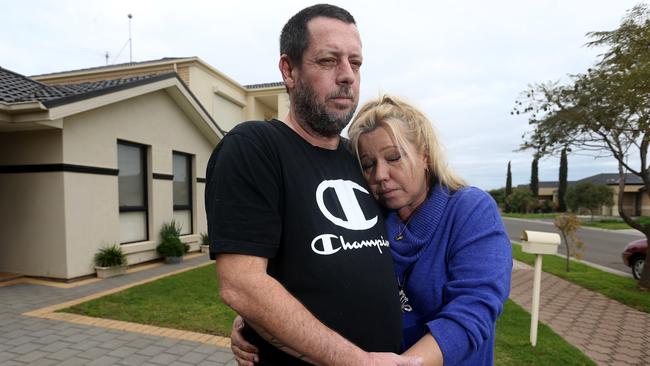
point(110, 256)
point(204, 239)
point(171, 244)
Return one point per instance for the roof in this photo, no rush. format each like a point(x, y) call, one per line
point(264, 85)
point(16, 88)
point(97, 68)
point(611, 179)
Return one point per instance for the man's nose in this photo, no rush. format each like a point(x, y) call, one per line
point(346, 74)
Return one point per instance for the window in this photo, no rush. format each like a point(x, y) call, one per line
point(182, 167)
point(132, 182)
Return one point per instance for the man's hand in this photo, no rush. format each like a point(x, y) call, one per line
point(245, 353)
point(391, 359)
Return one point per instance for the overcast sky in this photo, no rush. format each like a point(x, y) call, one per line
point(463, 62)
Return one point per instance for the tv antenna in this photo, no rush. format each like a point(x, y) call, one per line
point(130, 40)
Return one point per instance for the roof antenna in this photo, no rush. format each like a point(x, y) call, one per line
point(130, 41)
point(106, 55)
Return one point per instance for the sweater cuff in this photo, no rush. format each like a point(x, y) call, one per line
point(452, 340)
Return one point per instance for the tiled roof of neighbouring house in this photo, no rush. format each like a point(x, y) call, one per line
point(264, 85)
point(611, 178)
point(16, 88)
point(140, 63)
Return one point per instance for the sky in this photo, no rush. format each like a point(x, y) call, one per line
point(464, 63)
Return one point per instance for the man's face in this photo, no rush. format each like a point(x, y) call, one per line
point(326, 91)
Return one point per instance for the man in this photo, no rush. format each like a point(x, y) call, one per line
point(299, 242)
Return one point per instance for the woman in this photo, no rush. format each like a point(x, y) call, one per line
point(451, 253)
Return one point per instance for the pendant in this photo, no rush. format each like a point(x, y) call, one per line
point(399, 237)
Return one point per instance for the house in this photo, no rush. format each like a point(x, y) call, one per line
point(223, 98)
point(107, 155)
point(635, 198)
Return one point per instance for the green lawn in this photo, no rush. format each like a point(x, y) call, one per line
point(513, 346)
point(609, 224)
point(190, 301)
point(187, 301)
point(621, 289)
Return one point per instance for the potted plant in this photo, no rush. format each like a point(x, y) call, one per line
point(110, 261)
point(205, 243)
point(171, 247)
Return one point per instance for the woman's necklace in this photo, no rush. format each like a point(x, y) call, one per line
point(400, 231)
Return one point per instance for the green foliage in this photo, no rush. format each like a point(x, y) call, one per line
point(110, 256)
point(498, 195)
point(205, 240)
point(534, 177)
point(506, 206)
point(521, 200)
point(568, 224)
point(589, 196)
point(562, 184)
point(171, 244)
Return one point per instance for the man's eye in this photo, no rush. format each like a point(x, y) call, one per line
point(327, 61)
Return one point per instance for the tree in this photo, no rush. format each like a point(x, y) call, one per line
point(499, 195)
point(506, 206)
point(568, 224)
point(534, 177)
point(521, 200)
point(589, 196)
point(562, 185)
point(605, 111)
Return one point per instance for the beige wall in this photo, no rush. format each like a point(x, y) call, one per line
point(31, 206)
point(226, 113)
point(32, 224)
point(90, 138)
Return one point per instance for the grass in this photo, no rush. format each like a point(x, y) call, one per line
point(189, 301)
point(512, 346)
point(621, 289)
point(609, 224)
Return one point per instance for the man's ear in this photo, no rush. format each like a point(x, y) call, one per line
point(287, 69)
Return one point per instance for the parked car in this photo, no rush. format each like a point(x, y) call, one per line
point(634, 256)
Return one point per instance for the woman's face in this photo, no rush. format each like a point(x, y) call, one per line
point(395, 181)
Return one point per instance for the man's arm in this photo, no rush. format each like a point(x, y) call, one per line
point(259, 298)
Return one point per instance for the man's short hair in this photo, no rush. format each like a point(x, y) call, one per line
point(294, 38)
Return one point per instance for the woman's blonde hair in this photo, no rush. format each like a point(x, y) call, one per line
point(406, 123)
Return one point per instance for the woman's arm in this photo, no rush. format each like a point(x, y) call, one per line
point(427, 348)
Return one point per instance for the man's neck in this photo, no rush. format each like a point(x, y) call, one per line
point(309, 135)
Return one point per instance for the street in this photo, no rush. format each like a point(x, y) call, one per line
point(601, 247)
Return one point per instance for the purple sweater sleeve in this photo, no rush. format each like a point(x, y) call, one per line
point(479, 264)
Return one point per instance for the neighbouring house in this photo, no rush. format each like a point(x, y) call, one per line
point(635, 198)
point(101, 159)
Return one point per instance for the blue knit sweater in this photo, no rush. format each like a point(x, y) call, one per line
point(457, 260)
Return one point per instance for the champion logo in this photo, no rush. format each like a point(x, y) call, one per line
point(324, 245)
point(328, 244)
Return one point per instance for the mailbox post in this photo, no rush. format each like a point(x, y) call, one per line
point(538, 243)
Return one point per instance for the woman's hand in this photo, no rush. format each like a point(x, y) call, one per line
point(245, 353)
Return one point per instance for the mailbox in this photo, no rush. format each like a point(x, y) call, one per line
point(538, 242)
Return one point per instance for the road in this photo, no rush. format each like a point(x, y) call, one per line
point(602, 247)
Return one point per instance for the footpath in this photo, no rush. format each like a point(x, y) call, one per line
point(31, 333)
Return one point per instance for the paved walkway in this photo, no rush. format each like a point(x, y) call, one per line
point(607, 331)
point(40, 340)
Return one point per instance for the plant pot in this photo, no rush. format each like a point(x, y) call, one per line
point(107, 272)
point(173, 260)
point(205, 248)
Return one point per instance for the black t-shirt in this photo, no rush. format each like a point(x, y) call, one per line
point(270, 193)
